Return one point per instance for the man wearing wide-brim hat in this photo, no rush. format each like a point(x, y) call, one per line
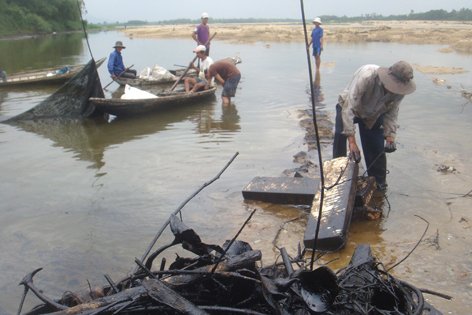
point(116, 66)
point(372, 100)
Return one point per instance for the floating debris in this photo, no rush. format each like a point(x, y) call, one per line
point(446, 168)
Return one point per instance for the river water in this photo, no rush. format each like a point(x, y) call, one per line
point(84, 198)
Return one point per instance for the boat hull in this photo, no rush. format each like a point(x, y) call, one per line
point(167, 101)
point(41, 76)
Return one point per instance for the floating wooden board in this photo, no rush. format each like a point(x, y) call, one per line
point(282, 190)
point(337, 208)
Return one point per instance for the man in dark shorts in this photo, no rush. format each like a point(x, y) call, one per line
point(228, 75)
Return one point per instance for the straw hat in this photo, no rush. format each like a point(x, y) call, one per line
point(119, 44)
point(398, 78)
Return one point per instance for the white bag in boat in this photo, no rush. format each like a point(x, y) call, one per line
point(145, 73)
point(132, 93)
point(160, 74)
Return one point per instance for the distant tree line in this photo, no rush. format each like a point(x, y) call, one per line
point(434, 15)
point(38, 16)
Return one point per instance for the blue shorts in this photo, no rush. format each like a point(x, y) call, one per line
point(198, 80)
point(229, 89)
point(316, 51)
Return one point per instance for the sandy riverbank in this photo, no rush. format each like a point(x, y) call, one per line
point(457, 35)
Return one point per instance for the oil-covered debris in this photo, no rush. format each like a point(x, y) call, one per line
point(228, 280)
point(446, 168)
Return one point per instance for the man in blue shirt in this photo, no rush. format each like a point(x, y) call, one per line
point(317, 40)
point(116, 66)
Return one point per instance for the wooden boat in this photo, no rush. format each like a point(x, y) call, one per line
point(48, 75)
point(176, 73)
point(165, 101)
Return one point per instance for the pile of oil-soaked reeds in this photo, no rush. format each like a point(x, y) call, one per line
point(227, 280)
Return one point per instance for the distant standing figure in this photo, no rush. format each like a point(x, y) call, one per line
point(200, 81)
point(317, 40)
point(116, 66)
point(201, 34)
point(3, 75)
point(228, 75)
point(372, 100)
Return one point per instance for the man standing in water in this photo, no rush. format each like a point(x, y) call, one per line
point(200, 81)
point(116, 66)
point(227, 74)
point(317, 40)
point(372, 100)
point(201, 34)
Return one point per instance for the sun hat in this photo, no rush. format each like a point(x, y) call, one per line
point(119, 44)
point(205, 16)
point(317, 20)
point(200, 48)
point(398, 78)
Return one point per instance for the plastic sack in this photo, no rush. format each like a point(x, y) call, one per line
point(132, 93)
point(145, 73)
point(161, 74)
point(64, 70)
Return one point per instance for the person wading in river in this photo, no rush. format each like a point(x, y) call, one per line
point(372, 100)
point(116, 66)
point(317, 40)
point(227, 74)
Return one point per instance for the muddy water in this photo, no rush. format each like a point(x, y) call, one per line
point(83, 198)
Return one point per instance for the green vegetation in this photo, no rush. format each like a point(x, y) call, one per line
point(38, 16)
point(434, 15)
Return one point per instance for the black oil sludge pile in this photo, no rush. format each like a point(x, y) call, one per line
point(227, 280)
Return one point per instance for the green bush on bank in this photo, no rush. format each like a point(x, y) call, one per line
point(38, 16)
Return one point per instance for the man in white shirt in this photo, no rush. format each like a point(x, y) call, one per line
point(200, 81)
point(372, 100)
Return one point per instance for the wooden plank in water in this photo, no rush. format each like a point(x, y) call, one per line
point(365, 189)
point(282, 190)
point(338, 206)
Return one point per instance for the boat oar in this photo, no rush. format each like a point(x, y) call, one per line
point(118, 76)
point(188, 67)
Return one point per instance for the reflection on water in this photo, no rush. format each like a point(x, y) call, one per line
point(40, 52)
point(318, 91)
point(229, 120)
point(89, 138)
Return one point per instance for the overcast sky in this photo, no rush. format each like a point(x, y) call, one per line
point(157, 10)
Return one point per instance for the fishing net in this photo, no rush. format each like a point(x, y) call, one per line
point(71, 100)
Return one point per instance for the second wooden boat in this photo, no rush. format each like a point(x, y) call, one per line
point(165, 101)
point(49, 75)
